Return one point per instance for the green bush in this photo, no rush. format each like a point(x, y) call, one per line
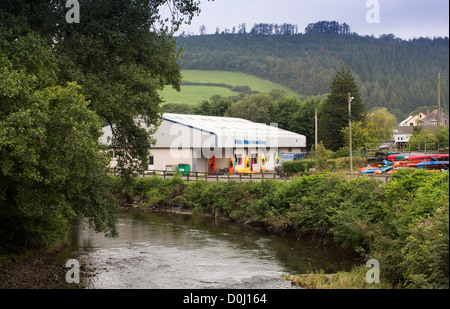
point(299, 166)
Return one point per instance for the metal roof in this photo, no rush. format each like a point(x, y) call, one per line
point(221, 132)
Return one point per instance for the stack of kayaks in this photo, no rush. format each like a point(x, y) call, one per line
point(378, 168)
point(429, 162)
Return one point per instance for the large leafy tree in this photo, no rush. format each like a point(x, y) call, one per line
point(51, 166)
point(121, 53)
point(59, 84)
point(334, 112)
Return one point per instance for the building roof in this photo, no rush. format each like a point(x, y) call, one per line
point(403, 130)
point(197, 131)
point(433, 117)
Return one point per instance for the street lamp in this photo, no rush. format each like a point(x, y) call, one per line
point(350, 98)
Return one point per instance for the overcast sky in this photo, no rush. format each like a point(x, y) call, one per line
point(404, 18)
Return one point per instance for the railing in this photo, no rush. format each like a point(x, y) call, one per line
point(260, 176)
point(194, 176)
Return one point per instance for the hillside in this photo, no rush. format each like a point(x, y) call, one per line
point(396, 74)
point(198, 85)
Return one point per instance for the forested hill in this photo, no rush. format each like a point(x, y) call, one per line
point(397, 74)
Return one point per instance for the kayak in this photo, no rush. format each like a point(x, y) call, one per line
point(436, 156)
point(401, 156)
point(212, 165)
point(378, 170)
point(432, 164)
point(231, 165)
point(263, 162)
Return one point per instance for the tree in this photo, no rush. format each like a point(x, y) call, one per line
point(253, 107)
point(334, 111)
point(202, 30)
point(51, 166)
point(122, 53)
point(303, 121)
point(364, 136)
point(383, 122)
point(60, 83)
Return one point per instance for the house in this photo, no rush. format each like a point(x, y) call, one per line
point(413, 120)
point(193, 139)
point(402, 135)
point(432, 119)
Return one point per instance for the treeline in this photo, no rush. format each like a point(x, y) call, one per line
point(274, 29)
point(324, 26)
point(392, 73)
point(328, 27)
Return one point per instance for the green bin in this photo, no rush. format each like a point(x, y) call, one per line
point(184, 169)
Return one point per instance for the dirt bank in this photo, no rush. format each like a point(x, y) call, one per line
point(37, 271)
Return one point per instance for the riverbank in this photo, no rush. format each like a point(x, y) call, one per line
point(402, 224)
point(36, 270)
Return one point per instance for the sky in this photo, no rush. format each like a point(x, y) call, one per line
point(405, 19)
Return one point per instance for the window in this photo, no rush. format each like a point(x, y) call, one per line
point(151, 163)
point(254, 157)
point(238, 158)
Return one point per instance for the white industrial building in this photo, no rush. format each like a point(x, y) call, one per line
point(194, 139)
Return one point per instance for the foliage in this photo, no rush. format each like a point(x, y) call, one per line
point(324, 165)
point(403, 224)
point(429, 139)
point(120, 64)
point(364, 136)
point(335, 110)
point(399, 75)
point(254, 108)
point(383, 123)
point(51, 164)
point(51, 167)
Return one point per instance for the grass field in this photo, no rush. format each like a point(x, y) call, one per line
point(194, 94)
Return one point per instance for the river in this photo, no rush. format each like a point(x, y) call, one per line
point(177, 251)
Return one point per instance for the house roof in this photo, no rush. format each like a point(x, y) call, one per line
point(403, 130)
point(433, 116)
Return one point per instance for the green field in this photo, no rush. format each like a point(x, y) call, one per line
point(194, 94)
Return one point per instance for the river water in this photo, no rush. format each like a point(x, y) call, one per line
point(173, 251)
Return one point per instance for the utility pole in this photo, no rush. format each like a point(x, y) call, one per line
point(439, 103)
point(315, 130)
point(350, 98)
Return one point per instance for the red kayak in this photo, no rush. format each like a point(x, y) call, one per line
point(437, 156)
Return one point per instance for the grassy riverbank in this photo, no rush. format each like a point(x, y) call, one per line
point(403, 224)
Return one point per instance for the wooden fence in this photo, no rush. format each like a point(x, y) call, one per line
point(194, 176)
